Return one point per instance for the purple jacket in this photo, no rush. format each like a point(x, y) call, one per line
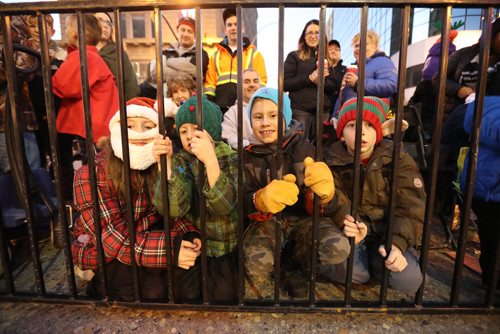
point(431, 65)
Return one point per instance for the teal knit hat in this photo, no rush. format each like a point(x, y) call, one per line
point(375, 111)
point(212, 116)
point(271, 94)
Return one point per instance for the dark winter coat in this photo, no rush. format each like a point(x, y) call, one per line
point(260, 165)
point(374, 192)
point(302, 91)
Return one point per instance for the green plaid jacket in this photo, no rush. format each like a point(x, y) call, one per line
point(220, 201)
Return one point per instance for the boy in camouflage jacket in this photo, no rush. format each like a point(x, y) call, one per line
point(266, 194)
point(369, 229)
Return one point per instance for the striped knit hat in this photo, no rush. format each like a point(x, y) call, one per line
point(375, 111)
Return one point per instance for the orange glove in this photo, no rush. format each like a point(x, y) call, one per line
point(276, 195)
point(320, 179)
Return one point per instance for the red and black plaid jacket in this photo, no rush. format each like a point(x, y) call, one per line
point(150, 243)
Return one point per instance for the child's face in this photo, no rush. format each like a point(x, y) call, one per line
point(368, 138)
point(265, 121)
point(140, 124)
point(180, 94)
point(186, 132)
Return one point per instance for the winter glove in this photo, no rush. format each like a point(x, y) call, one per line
point(276, 195)
point(320, 179)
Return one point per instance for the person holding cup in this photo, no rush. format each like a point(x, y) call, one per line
point(381, 76)
point(302, 78)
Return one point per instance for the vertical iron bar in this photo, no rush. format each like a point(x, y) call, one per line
point(320, 98)
point(484, 56)
point(17, 126)
point(84, 82)
point(279, 154)
point(51, 120)
point(239, 51)
point(357, 151)
point(201, 170)
point(163, 159)
point(436, 143)
point(405, 31)
point(120, 81)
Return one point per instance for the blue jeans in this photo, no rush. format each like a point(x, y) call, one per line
point(32, 152)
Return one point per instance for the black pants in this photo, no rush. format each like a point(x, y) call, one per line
point(488, 224)
point(153, 283)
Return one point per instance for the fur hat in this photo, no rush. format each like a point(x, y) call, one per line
point(375, 111)
point(137, 107)
point(212, 116)
point(271, 94)
point(187, 21)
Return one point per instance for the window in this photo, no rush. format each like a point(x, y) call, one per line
point(138, 26)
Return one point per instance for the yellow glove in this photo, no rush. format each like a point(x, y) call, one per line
point(277, 194)
point(320, 179)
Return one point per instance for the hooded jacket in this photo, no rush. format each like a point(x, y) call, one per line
point(177, 60)
point(375, 192)
point(222, 75)
point(260, 165)
point(381, 78)
point(487, 182)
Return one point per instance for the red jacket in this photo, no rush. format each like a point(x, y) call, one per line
point(103, 94)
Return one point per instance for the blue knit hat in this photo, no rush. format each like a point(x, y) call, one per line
point(271, 94)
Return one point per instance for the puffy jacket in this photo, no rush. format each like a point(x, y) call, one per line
point(487, 182)
point(431, 66)
point(260, 164)
point(182, 61)
point(108, 53)
point(381, 78)
point(375, 191)
point(302, 91)
point(222, 74)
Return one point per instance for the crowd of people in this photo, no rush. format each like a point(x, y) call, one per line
point(278, 193)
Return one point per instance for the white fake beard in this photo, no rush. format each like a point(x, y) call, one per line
point(141, 157)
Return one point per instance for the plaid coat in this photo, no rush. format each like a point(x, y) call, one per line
point(150, 242)
point(220, 200)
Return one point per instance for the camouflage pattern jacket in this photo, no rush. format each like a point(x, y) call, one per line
point(375, 192)
point(261, 167)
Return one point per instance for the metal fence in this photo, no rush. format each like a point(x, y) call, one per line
point(347, 303)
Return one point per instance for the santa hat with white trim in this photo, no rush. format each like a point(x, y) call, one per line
point(137, 107)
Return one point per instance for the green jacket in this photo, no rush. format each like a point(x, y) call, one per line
point(375, 193)
point(221, 200)
point(108, 53)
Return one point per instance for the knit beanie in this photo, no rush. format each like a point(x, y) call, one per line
point(271, 94)
point(187, 21)
point(375, 111)
point(212, 116)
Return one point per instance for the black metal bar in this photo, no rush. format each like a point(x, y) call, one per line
point(163, 159)
point(51, 120)
point(201, 170)
point(241, 207)
point(138, 5)
point(357, 151)
point(484, 56)
point(84, 81)
point(436, 143)
point(405, 32)
point(279, 154)
point(492, 284)
point(320, 96)
point(12, 115)
point(120, 82)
